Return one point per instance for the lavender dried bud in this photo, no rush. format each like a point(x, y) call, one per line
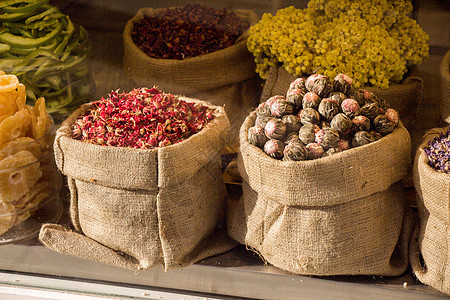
point(309, 115)
point(361, 123)
point(292, 123)
point(338, 97)
point(371, 110)
point(438, 152)
point(296, 151)
point(275, 129)
point(383, 125)
point(342, 83)
point(311, 99)
point(328, 109)
point(327, 138)
point(342, 124)
point(281, 107)
point(307, 133)
point(392, 115)
point(274, 148)
point(256, 136)
point(350, 107)
point(314, 151)
point(362, 138)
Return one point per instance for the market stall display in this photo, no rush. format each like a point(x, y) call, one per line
point(144, 171)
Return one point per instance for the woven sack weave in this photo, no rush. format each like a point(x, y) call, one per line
point(338, 215)
point(445, 87)
point(225, 77)
point(404, 97)
point(135, 208)
point(431, 239)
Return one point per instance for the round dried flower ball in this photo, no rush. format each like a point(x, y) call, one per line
point(292, 123)
point(324, 124)
point(357, 95)
point(362, 138)
point(262, 119)
point(330, 152)
point(371, 110)
point(295, 97)
point(256, 136)
point(272, 99)
point(350, 107)
point(392, 115)
point(296, 151)
point(309, 115)
point(275, 129)
point(327, 138)
point(322, 86)
point(383, 125)
point(309, 82)
point(281, 107)
point(314, 151)
point(342, 124)
point(274, 148)
point(338, 97)
point(298, 84)
point(291, 137)
point(311, 99)
point(342, 83)
point(361, 123)
point(369, 97)
point(263, 109)
point(343, 144)
point(328, 109)
point(307, 133)
point(376, 135)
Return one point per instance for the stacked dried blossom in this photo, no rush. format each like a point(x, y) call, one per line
point(438, 152)
point(143, 118)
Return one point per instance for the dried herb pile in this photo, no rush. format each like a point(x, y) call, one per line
point(193, 30)
point(438, 152)
point(142, 118)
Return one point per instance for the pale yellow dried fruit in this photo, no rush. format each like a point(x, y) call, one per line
point(43, 121)
point(8, 83)
point(28, 204)
point(21, 97)
point(6, 217)
point(19, 144)
point(14, 126)
point(18, 174)
point(8, 106)
point(2, 72)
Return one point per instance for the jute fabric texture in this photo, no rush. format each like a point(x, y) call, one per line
point(430, 245)
point(225, 77)
point(404, 97)
point(343, 214)
point(445, 87)
point(136, 208)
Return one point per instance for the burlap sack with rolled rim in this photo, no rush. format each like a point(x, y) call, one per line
point(225, 77)
point(431, 239)
point(445, 87)
point(339, 215)
point(136, 208)
point(404, 97)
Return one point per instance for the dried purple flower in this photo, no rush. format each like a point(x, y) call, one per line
point(438, 152)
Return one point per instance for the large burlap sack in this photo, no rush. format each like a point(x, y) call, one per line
point(404, 97)
point(135, 208)
point(343, 214)
point(225, 77)
point(445, 87)
point(430, 244)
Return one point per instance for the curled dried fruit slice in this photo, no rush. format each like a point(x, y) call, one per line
point(7, 105)
point(6, 219)
point(8, 83)
point(21, 97)
point(43, 121)
point(18, 173)
point(31, 200)
point(14, 126)
point(19, 144)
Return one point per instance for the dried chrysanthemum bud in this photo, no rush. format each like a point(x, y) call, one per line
point(392, 115)
point(261, 120)
point(281, 107)
point(263, 109)
point(342, 83)
point(383, 125)
point(331, 151)
point(362, 138)
point(361, 123)
point(328, 109)
point(298, 84)
point(338, 97)
point(327, 138)
point(307, 133)
point(314, 150)
point(274, 148)
point(309, 115)
point(371, 110)
point(342, 124)
point(296, 151)
point(275, 129)
point(295, 97)
point(311, 99)
point(322, 86)
point(343, 144)
point(256, 136)
point(291, 137)
point(350, 107)
point(292, 123)
point(358, 96)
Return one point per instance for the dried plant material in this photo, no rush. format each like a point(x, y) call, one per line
point(14, 126)
point(8, 83)
point(21, 97)
point(18, 174)
point(19, 144)
point(6, 219)
point(31, 200)
point(43, 121)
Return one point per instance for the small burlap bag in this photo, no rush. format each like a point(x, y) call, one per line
point(225, 77)
point(430, 244)
point(404, 97)
point(445, 87)
point(338, 215)
point(135, 208)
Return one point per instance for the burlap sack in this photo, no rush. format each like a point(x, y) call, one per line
point(445, 87)
point(339, 215)
point(225, 77)
point(135, 208)
point(404, 97)
point(430, 244)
